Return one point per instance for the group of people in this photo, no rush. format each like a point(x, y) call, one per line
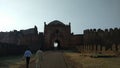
point(38, 56)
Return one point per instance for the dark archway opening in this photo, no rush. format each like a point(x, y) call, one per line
point(56, 45)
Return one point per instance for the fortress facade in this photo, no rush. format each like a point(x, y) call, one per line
point(60, 33)
point(92, 40)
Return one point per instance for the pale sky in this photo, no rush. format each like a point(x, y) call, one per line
point(83, 14)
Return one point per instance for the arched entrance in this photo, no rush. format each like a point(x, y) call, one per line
point(57, 44)
point(57, 35)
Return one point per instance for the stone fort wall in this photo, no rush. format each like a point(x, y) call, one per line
point(92, 40)
point(98, 40)
point(15, 42)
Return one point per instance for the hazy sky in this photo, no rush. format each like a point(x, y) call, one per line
point(83, 14)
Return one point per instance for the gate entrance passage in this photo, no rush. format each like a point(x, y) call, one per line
point(57, 44)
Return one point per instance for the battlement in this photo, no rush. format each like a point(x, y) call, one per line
point(107, 37)
point(101, 31)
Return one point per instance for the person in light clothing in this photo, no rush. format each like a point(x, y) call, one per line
point(39, 58)
point(27, 55)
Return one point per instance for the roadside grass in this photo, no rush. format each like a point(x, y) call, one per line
point(21, 62)
point(80, 61)
point(9, 60)
point(13, 61)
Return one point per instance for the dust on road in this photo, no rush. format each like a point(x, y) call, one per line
point(51, 59)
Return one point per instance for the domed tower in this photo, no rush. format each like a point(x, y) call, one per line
point(56, 32)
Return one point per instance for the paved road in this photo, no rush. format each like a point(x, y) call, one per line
point(51, 60)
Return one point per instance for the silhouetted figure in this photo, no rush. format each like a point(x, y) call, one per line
point(27, 55)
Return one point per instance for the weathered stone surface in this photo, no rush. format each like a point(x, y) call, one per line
point(58, 31)
point(22, 37)
point(101, 38)
point(91, 41)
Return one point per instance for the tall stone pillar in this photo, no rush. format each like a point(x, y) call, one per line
point(98, 48)
point(113, 47)
point(94, 48)
point(103, 48)
point(118, 48)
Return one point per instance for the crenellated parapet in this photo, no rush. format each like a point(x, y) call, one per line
point(106, 37)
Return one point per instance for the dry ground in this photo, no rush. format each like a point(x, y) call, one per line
point(88, 62)
point(52, 59)
point(9, 60)
point(66, 60)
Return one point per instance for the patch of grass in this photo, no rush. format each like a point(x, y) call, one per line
point(102, 56)
point(88, 62)
point(21, 62)
point(6, 61)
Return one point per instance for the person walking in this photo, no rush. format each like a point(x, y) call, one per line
point(39, 58)
point(27, 55)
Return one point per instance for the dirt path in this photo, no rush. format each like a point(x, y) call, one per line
point(51, 60)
